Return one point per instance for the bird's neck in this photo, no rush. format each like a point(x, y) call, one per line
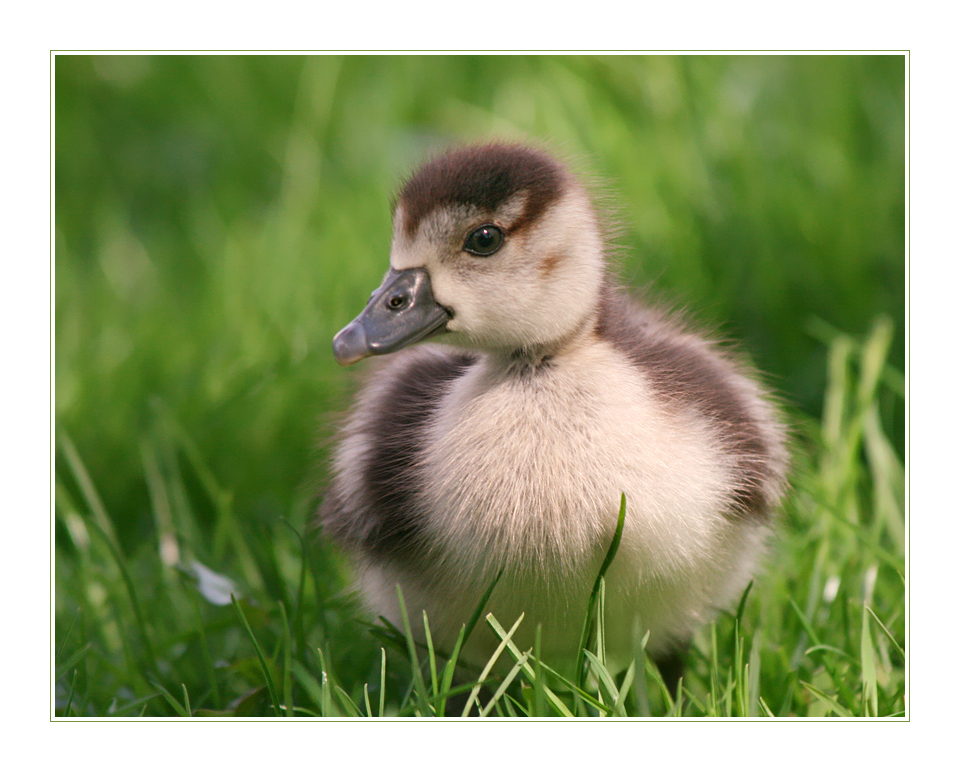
point(537, 357)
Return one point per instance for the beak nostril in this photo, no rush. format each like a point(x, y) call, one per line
point(400, 312)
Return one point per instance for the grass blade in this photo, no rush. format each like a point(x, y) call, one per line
point(478, 611)
point(753, 678)
point(831, 703)
point(605, 680)
point(348, 704)
point(420, 688)
point(505, 684)
point(287, 678)
point(807, 626)
point(181, 710)
point(619, 707)
point(366, 700)
point(588, 621)
point(504, 640)
point(271, 688)
point(431, 654)
point(743, 601)
point(73, 661)
point(868, 667)
point(766, 710)
point(640, 667)
point(66, 635)
point(555, 702)
point(538, 698)
point(140, 701)
point(450, 667)
point(886, 632)
point(326, 699)
point(89, 490)
point(114, 551)
point(73, 690)
point(212, 677)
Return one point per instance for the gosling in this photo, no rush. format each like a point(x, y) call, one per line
point(504, 447)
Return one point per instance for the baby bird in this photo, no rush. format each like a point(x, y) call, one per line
point(507, 448)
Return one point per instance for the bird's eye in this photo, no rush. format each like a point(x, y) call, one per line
point(484, 241)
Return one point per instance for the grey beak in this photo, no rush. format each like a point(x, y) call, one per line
point(400, 312)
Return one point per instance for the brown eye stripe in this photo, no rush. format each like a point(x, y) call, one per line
point(484, 177)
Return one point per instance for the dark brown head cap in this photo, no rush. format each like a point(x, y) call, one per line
point(485, 177)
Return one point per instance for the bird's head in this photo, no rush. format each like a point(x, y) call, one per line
point(495, 247)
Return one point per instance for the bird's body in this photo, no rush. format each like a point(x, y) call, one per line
point(509, 451)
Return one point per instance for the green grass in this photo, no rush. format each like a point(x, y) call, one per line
point(217, 220)
point(821, 634)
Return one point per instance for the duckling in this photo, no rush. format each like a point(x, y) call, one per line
point(503, 446)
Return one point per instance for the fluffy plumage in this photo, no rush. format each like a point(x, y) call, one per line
point(509, 447)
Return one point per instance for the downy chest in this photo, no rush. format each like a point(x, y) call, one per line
point(527, 470)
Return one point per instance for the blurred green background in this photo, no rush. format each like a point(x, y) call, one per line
point(218, 218)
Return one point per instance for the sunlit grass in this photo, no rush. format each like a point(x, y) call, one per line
point(821, 634)
point(218, 219)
